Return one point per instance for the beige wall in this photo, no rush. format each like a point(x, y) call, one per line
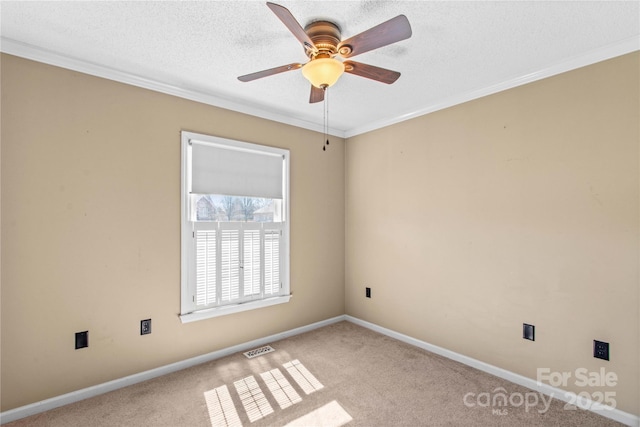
point(517, 207)
point(91, 230)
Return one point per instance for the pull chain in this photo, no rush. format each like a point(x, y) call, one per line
point(326, 119)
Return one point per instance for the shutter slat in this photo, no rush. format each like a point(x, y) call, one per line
point(230, 265)
point(205, 267)
point(271, 261)
point(251, 257)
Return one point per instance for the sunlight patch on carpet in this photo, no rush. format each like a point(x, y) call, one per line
point(329, 415)
point(225, 410)
point(305, 379)
point(280, 388)
point(253, 399)
point(222, 411)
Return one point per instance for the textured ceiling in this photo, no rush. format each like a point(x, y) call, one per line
point(459, 50)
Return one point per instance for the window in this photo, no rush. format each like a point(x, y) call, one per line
point(235, 226)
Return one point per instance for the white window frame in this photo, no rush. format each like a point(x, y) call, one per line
point(188, 311)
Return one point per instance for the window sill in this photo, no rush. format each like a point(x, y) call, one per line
point(231, 309)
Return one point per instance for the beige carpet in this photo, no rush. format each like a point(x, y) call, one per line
point(340, 374)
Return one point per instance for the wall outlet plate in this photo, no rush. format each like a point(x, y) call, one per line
point(601, 350)
point(82, 339)
point(145, 327)
point(367, 292)
point(528, 332)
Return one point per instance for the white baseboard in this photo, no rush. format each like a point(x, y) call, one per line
point(85, 393)
point(605, 411)
point(65, 399)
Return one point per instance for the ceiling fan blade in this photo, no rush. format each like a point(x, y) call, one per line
point(269, 72)
point(317, 95)
point(371, 72)
point(294, 26)
point(391, 31)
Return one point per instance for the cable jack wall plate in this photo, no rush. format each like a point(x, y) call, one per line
point(528, 332)
point(82, 339)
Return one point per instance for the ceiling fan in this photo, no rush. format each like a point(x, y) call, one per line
point(322, 42)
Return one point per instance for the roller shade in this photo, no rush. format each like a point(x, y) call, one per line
point(235, 172)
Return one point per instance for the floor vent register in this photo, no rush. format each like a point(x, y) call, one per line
point(258, 351)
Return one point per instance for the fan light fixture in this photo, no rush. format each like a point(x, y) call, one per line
point(322, 41)
point(323, 72)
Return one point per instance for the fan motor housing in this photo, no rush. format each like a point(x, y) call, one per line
point(325, 36)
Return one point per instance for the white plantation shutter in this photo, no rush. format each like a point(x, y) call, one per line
point(236, 262)
point(251, 262)
point(205, 267)
point(230, 265)
point(272, 261)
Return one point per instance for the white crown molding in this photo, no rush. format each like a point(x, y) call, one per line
point(35, 53)
point(623, 47)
